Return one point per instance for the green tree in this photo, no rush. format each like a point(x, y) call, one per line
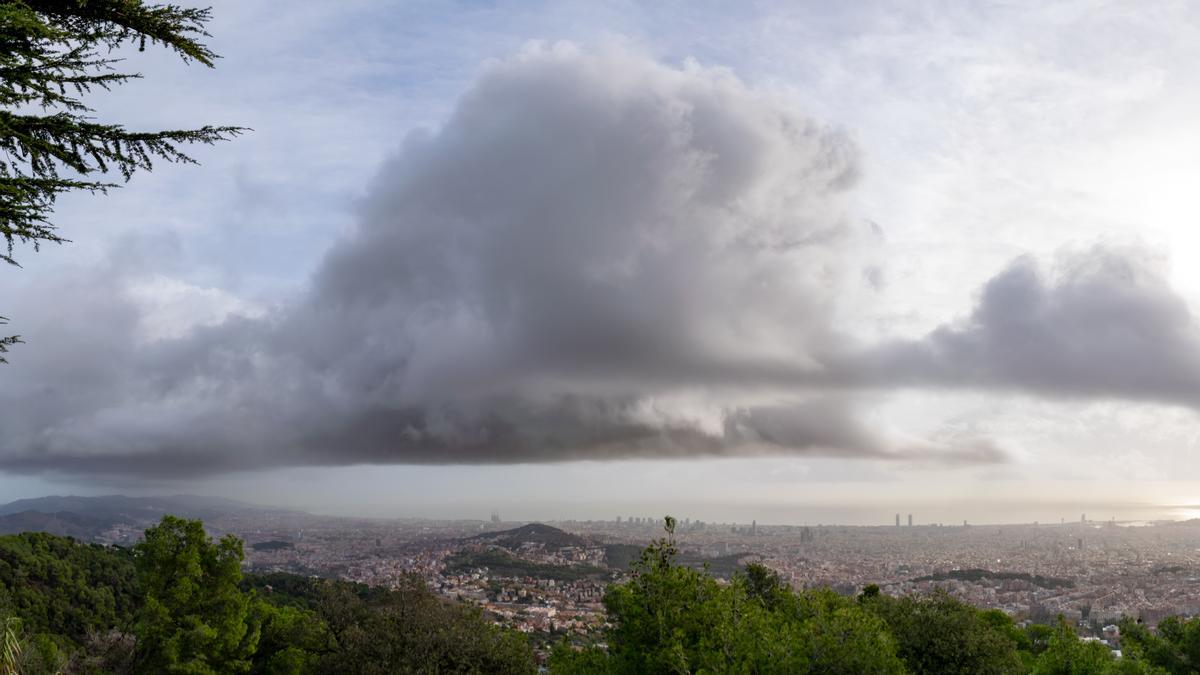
point(1175, 648)
point(23, 653)
point(62, 587)
point(1039, 636)
point(293, 639)
point(567, 659)
point(936, 633)
point(1066, 654)
point(366, 629)
point(195, 618)
point(52, 54)
point(669, 618)
point(410, 630)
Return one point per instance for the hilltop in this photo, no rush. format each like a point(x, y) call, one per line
point(533, 533)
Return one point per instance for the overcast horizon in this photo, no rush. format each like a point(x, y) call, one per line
point(789, 262)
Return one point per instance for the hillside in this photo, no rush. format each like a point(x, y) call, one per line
point(87, 518)
point(503, 564)
point(62, 523)
point(78, 608)
point(533, 533)
point(976, 575)
point(132, 509)
point(65, 588)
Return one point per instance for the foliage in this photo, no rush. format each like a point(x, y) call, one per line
point(52, 54)
point(673, 619)
point(60, 587)
point(273, 546)
point(1066, 654)
point(936, 633)
point(111, 651)
point(195, 618)
point(976, 575)
point(293, 639)
point(1174, 649)
point(24, 653)
point(670, 618)
point(7, 341)
point(10, 645)
point(502, 563)
point(184, 596)
point(402, 630)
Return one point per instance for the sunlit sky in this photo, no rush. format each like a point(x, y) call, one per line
point(794, 262)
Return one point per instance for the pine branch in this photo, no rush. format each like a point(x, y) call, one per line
point(50, 58)
point(25, 205)
point(115, 23)
point(6, 342)
point(87, 147)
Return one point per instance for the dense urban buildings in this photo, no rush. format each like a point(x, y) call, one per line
point(551, 579)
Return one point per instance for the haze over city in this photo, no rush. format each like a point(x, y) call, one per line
point(797, 263)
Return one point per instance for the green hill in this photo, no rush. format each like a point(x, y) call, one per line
point(74, 607)
point(533, 533)
point(503, 564)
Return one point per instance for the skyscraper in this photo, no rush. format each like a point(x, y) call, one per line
point(910, 520)
point(897, 520)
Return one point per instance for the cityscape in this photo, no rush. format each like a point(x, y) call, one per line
point(548, 579)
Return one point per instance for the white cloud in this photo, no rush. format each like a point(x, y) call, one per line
point(171, 308)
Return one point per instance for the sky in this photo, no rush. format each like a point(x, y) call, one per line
point(792, 262)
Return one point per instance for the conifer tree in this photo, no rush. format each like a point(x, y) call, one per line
point(195, 618)
point(53, 53)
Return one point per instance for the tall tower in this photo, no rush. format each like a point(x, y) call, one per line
point(1083, 518)
point(753, 527)
point(910, 520)
point(897, 520)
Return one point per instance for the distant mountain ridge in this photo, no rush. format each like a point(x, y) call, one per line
point(63, 524)
point(134, 507)
point(88, 517)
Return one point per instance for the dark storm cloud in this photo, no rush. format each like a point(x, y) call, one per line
point(1103, 323)
point(596, 257)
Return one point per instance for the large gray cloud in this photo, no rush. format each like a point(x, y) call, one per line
point(1101, 323)
point(597, 256)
